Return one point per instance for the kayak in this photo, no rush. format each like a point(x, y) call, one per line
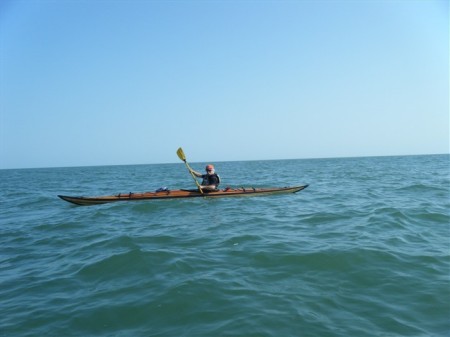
point(180, 194)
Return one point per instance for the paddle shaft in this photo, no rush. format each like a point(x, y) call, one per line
point(182, 156)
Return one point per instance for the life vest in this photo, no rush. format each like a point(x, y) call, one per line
point(211, 179)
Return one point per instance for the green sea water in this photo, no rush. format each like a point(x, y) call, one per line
point(363, 251)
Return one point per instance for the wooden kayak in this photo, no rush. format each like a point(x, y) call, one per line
point(180, 194)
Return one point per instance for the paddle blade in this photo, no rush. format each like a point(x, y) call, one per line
point(181, 155)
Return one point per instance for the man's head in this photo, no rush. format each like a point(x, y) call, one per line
point(209, 169)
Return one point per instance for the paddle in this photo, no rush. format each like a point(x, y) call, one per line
point(181, 155)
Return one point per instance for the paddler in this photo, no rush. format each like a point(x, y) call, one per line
point(211, 180)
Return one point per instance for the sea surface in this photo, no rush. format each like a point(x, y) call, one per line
point(363, 251)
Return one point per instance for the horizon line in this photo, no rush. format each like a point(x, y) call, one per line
point(223, 161)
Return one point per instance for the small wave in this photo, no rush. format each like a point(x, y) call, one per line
point(123, 264)
point(421, 188)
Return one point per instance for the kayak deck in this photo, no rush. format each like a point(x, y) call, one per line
point(179, 194)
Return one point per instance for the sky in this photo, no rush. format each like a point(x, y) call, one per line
point(100, 82)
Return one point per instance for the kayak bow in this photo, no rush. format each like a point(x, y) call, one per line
point(180, 194)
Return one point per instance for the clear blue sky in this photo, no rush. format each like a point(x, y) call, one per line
point(128, 82)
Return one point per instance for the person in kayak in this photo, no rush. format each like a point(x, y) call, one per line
point(210, 180)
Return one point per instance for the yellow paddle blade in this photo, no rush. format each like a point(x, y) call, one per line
point(180, 154)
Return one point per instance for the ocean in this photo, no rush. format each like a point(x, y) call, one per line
point(363, 251)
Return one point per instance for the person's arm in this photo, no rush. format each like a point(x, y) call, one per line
point(197, 174)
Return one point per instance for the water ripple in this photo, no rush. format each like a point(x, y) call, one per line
point(362, 252)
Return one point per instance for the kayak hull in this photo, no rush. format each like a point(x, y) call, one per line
point(180, 194)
